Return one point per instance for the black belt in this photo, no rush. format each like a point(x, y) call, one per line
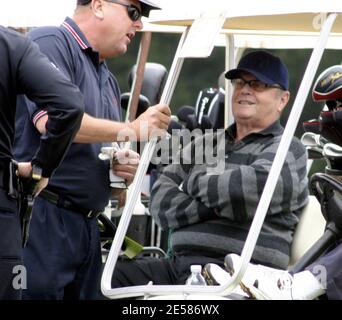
point(7, 177)
point(55, 199)
point(2, 179)
point(4, 174)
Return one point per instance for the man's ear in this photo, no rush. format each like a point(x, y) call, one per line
point(284, 99)
point(97, 8)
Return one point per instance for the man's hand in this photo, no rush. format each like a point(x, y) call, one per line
point(25, 171)
point(125, 164)
point(152, 123)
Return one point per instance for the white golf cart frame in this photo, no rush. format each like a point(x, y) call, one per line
point(265, 19)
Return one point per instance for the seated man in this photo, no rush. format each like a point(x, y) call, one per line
point(324, 276)
point(209, 213)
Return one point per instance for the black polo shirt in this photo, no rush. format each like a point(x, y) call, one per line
point(82, 177)
point(23, 69)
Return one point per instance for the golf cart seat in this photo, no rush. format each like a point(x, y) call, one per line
point(309, 229)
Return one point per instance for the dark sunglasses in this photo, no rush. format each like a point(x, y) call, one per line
point(133, 12)
point(256, 85)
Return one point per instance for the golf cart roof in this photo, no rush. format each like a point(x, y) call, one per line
point(248, 15)
point(253, 38)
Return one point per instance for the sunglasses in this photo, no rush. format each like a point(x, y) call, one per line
point(256, 85)
point(133, 12)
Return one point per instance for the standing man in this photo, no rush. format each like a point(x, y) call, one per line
point(63, 255)
point(20, 60)
point(210, 213)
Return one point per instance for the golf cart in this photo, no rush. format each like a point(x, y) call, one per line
point(321, 19)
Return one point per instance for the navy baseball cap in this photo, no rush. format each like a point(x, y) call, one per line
point(146, 6)
point(264, 66)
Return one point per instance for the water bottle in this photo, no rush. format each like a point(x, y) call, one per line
point(196, 277)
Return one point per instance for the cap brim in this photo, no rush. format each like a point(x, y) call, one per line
point(235, 73)
point(147, 6)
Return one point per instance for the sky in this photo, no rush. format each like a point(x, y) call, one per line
point(33, 13)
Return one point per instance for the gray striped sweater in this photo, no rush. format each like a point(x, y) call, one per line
point(210, 214)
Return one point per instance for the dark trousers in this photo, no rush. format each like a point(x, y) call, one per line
point(163, 271)
point(63, 254)
point(10, 248)
point(332, 266)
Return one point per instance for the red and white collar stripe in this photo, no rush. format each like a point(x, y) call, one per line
point(74, 34)
point(38, 115)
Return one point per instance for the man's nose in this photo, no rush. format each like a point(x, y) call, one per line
point(246, 88)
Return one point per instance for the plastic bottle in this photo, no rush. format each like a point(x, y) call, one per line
point(196, 277)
